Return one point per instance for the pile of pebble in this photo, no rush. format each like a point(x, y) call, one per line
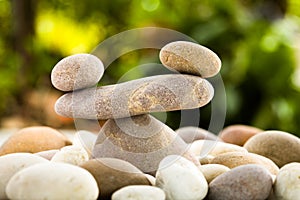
point(138, 157)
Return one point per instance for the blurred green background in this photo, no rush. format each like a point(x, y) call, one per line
point(258, 42)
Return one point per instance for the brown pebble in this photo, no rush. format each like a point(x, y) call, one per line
point(34, 139)
point(141, 140)
point(191, 58)
point(112, 174)
point(190, 133)
point(281, 147)
point(238, 134)
point(151, 94)
point(76, 72)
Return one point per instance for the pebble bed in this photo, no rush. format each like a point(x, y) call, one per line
point(137, 157)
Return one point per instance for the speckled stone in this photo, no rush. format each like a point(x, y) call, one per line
point(279, 146)
point(190, 133)
point(238, 134)
point(34, 139)
point(151, 94)
point(11, 164)
point(141, 140)
point(112, 174)
point(53, 181)
point(246, 182)
point(139, 192)
point(287, 183)
point(76, 72)
point(234, 159)
point(191, 58)
point(180, 179)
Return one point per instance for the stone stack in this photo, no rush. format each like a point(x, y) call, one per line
point(130, 133)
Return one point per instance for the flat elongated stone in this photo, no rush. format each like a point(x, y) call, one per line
point(141, 140)
point(190, 133)
point(76, 72)
point(152, 94)
point(191, 58)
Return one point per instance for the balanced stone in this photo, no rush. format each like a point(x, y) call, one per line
point(53, 181)
point(279, 146)
point(151, 94)
point(139, 192)
point(181, 179)
point(191, 58)
point(141, 140)
point(34, 139)
point(76, 72)
point(112, 174)
point(190, 133)
point(238, 134)
point(245, 182)
point(12, 163)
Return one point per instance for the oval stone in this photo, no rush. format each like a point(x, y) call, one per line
point(74, 155)
point(151, 94)
point(76, 72)
point(139, 192)
point(180, 179)
point(234, 159)
point(287, 183)
point(52, 181)
point(246, 182)
point(11, 164)
point(281, 147)
point(190, 58)
point(211, 171)
point(141, 140)
point(34, 139)
point(238, 134)
point(112, 174)
point(190, 133)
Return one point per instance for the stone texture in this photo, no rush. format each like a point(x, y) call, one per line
point(53, 181)
point(191, 58)
point(190, 133)
point(112, 174)
point(246, 182)
point(238, 134)
point(180, 179)
point(281, 147)
point(76, 72)
point(151, 94)
point(11, 164)
point(141, 140)
point(34, 139)
point(139, 192)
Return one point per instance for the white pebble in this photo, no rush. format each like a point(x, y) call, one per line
point(75, 155)
point(139, 192)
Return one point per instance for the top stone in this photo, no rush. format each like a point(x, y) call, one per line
point(191, 58)
point(77, 72)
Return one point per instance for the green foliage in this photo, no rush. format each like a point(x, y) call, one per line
point(257, 47)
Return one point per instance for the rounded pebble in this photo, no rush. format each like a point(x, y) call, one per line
point(211, 171)
point(234, 159)
point(238, 134)
point(180, 179)
point(191, 58)
point(139, 192)
point(203, 148)
point(34, 139)
point(287, 183)
point(76, 72)
point(75, 155)
point(151, 94)
point(281, 147)
point(141, 140)
point(112, 174)
point(52, 181)
point(11, 164)
point(246, 182)
point(190, 133)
